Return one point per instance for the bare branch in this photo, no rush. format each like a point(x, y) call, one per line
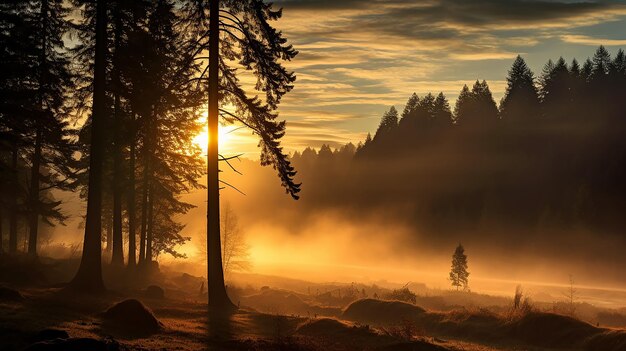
point(232, 186)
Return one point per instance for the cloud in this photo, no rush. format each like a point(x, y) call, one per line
point(359, 57)
point(591, 41)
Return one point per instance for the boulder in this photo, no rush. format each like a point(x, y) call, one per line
point(130, 317)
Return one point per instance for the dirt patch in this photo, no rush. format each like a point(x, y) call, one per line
point(381, 311)
point(130, 318)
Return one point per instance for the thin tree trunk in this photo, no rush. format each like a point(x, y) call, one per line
point(89, 275)
point(149, 232)
point(144, 203)
point(35, 175)
point(108, 227)
point(117, 257)
point(34, 196)
point(1, 231)
point(153, 130)
point(132, 246)
point(14, 194)
point(218, 299)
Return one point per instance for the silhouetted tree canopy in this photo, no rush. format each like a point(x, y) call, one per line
point(559, 163)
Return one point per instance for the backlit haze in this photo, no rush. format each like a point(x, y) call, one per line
point(358, 58)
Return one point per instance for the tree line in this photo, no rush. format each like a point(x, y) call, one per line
point(552, 152)
point(46, 122)
point(104, 97)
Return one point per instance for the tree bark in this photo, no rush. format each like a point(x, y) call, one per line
point(34, 196)
point(150, 227)
point(117, 256)
point(35, 175)
point(1, 231)
point(144, 200)
point(89, 275)
point(218, 299)
point(108, 228)
point(13, 204)
point(132, 246)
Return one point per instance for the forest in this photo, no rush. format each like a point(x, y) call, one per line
point(549, 157)
point(128, 150)
point(115, 112)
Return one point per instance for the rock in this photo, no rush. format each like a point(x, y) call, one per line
point(154, 292)
point(8, 294)
point(131, 317)
point(74, 344)
point(50, 334)
point(381, 311)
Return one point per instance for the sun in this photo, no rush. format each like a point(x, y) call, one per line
point(202, 138)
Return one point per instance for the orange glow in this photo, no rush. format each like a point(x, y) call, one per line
point(202, 139)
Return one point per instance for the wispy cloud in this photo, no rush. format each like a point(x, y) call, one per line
point(358, 57)
point(592, 41)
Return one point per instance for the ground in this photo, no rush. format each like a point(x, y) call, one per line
point(279, 319)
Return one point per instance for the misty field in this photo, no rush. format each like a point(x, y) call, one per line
point(170, 312)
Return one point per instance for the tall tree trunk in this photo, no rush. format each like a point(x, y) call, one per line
point(13, 203)
point(150, 229)
point(132, 246)
point(36, 163)
point(108, 228)
point(144, 202)
point(218, 299)
point(34, 195)
point(117, 257)
point(89, 275)
point(1, 231)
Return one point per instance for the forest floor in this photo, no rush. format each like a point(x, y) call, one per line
point(50, 317)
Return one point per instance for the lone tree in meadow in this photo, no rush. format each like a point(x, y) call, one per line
point(459, 273)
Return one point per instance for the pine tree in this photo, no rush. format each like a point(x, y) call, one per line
point(388, 123)
point(410, 108)
point(462, 108)
point(476, 108)
point(520, 101)
point(442, 116)
point(52, 156)
point(601, 63)
point(427, 106)
point(16, 101)
point(171, 163)
point(556, 90)
point(89, 275)
point(485, 108)
point(458, 273)
point(240, 34)
point(586, 72)
point(33, 113)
